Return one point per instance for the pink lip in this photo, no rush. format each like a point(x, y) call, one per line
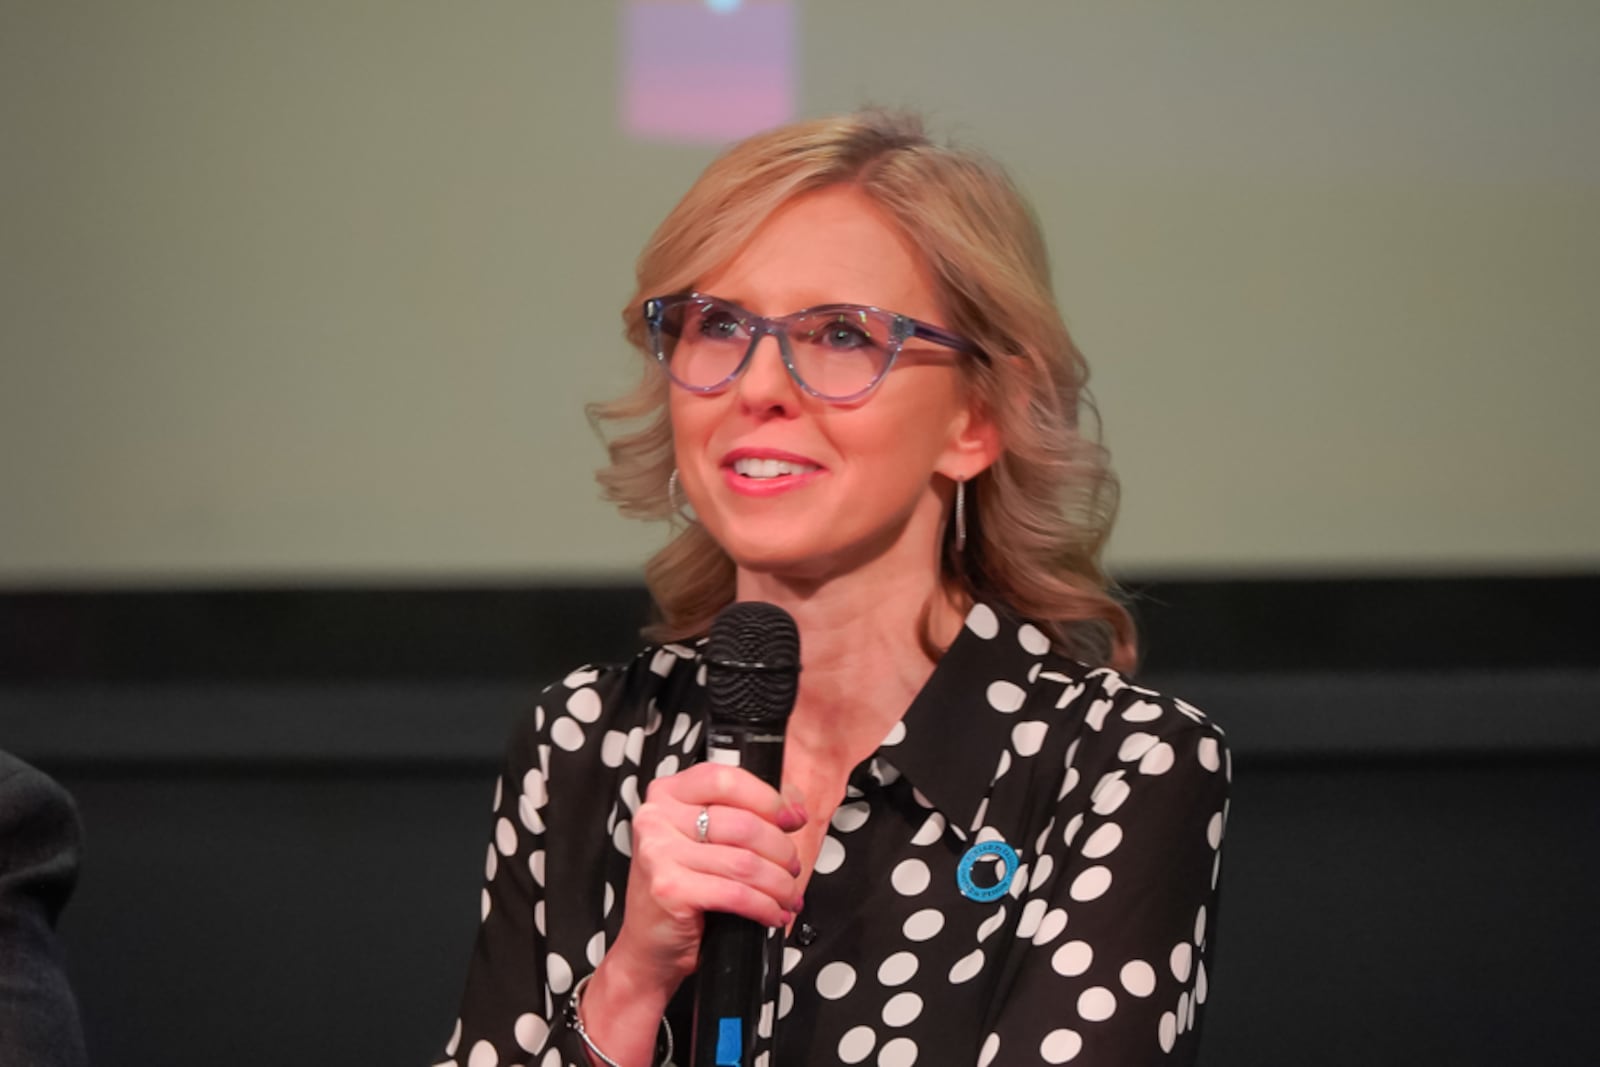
point(764, 487)
point(767, 453)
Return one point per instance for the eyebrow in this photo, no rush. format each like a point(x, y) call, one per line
point(808, 305)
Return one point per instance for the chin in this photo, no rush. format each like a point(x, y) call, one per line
point(779, 560)
point(810, 561)
point(779, 552)
point(813, 549)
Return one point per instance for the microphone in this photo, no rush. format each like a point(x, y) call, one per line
point(752, 673)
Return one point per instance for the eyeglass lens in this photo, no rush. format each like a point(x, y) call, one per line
point(836, 354)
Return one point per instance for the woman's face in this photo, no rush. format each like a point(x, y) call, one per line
point(853, 486)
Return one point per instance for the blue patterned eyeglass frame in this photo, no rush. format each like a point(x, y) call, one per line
point(657, 308)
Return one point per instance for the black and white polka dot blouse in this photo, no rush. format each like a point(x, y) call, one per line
point(1024, 872)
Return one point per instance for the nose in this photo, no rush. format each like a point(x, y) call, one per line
point(766, 388)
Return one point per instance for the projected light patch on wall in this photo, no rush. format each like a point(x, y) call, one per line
point(707, 71)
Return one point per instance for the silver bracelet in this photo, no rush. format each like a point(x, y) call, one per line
point(575, 1020)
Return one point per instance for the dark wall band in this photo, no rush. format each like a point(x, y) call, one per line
point(534, 629)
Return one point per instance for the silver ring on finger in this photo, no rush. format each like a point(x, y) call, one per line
point(702, 826)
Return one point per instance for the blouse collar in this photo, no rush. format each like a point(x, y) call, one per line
point(950, 744)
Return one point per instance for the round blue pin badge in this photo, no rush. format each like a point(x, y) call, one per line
point(982, 850)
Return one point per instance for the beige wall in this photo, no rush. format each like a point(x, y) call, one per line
point(299, 290)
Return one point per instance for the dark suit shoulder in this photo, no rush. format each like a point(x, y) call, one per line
point(39, 842)
point(41, 834)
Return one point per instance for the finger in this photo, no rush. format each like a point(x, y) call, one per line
point(795, 797)
point(716, 783)
point(708, 884)
point(664, 829)
point(742, 829)
point(747, 868)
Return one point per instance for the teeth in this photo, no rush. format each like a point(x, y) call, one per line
point(769, 468)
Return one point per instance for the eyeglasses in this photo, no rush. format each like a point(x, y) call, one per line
point(836, 352)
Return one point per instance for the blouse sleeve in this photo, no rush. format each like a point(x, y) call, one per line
point(510, 1011)
point(1114, 932)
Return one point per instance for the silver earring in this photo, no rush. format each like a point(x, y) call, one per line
point(961, 515)
point(673, 498)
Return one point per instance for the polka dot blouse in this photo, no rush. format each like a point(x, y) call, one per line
point(1024, 872)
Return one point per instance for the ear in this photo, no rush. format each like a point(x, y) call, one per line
point(974, 445)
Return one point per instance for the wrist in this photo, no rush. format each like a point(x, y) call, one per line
point(620, 1014)
point(632, 967)
point(619, 986)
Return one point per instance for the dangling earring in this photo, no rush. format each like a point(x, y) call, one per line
point(961, 515)
point(672, 498)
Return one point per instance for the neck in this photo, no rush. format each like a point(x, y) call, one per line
point(863, 654)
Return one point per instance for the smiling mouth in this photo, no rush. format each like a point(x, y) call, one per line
point(750, 467)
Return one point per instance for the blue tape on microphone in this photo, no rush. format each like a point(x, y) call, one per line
point(730, 1042)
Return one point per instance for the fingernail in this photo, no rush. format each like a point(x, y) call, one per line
point(792, 817)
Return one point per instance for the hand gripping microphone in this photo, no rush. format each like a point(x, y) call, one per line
point(752, 673)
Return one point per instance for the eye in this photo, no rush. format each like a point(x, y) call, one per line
point(718, 324)
point(843, 335)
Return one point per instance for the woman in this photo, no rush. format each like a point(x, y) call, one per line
point(989, 846)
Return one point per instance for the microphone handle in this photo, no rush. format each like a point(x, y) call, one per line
point(732, 977)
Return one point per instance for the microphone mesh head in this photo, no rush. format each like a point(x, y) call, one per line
point(753, 664)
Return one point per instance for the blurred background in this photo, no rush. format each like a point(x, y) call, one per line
point(300, 304)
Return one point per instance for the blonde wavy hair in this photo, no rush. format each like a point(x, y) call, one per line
point(1039, 517)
